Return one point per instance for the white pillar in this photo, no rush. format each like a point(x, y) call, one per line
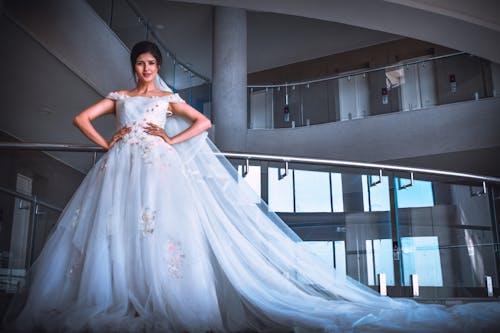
point(229, 77)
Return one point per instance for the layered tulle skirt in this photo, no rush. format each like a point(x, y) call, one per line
point(165, 239)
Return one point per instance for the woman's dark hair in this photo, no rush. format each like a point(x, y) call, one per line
point(145, 47)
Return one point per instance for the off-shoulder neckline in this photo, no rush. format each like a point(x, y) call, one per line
point(150, 97)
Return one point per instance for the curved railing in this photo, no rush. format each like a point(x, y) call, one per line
point(354, 73)
point(263, 157)
point(409, 85)
point(375, 222)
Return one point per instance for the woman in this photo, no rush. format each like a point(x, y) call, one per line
point(162, 236)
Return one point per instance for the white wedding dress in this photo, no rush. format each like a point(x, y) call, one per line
point(162, 238)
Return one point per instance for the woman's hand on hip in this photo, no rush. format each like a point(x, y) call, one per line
point(156, 130)
point(118, 135)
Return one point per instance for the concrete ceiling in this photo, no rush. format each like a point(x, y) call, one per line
point(470, 26)
point(485, 13)
point(273, 39)
point(281, 33)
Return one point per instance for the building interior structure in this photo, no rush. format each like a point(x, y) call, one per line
point(394, 82)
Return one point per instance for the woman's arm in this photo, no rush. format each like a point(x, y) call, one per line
point(84, 122)
point(200, 123)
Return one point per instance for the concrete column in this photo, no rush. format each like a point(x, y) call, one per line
point(229, 95)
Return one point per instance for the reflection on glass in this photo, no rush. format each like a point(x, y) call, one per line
point(376, 197)
point(332, 253)
point(312, 191)
point(252, 177)
point(394, 78)
point(421, 256)
point(340, 257)
point(379, 260)
point(446, 235)
point(420, 194)
point(354, 97)
point(280, 191)
point(322, 249)
point(337, 193)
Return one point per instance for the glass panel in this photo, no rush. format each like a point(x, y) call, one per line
point(379, 260)
point(183, 80)
point(127, 24)
point(46, 220)
point(413, 84)
point(280, 190)
point(337, 197)
point(14, 240)
point(167, 70)
point(420, 256)
point(340, 255)
point(261, 108)
point(420, 194)
point(252, 177)
point(446, 234)
point(354, 97)
point(312, 191)
point(375, 196)
point(323, 249)
point(317, 104)
point(368, 230)
point(203, 100)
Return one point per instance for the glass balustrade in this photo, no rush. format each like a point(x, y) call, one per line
point(26, 222)
point(441, 229)
point(412, 85)
point(445, 235)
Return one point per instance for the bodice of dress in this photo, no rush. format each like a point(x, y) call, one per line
point(137, 111)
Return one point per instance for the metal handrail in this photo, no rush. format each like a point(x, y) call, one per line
point(262, 157)
point(32, 199)
point(379, 166)
point(355, 73)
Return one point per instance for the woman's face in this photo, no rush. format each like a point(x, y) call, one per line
point(146, 67)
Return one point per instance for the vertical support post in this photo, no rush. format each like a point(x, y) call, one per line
point(489, 286)
point(245, 168)
point(393, 197)
point(414, 285)
point(229, 78)
point(32, 230)
point(382, 282)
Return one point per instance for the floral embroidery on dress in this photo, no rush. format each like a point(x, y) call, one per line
point(147, 223)
point(138, 136)
point(103, 165)
point(175, 257)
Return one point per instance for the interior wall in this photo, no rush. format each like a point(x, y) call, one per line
point(379, 55)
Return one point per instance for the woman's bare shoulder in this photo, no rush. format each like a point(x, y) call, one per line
point(165, 93)
point(132, 93)
point(124, 92)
